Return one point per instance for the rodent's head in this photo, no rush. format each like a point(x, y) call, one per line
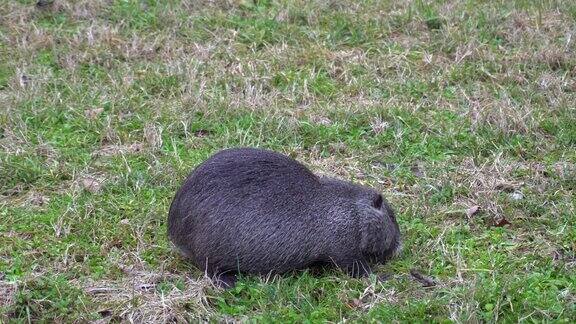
point(380, 234)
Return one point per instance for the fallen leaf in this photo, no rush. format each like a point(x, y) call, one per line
point(153, 135)
point(105, 312)
point(417, 170)
point(321, 120)
point(508, 186)
point(337, 148)
point(379, 126)
point(202, 133)
point(557, 255)
point(44, 3)
point(355, 303)
point(501, 222)
point(45, 150)
point(426, 281)
point(93, 113)
point(37, 199)
point(472, 211)
point(91, 184)
point(282, 16)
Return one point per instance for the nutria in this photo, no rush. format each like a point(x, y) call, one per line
point(254, 211)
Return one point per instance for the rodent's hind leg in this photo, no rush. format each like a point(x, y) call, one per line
point(318, 268)
point(225, 279)
point(356, 268)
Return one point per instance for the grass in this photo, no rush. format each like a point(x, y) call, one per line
point(461, 112)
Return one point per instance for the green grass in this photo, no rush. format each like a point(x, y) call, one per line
point(442, 105)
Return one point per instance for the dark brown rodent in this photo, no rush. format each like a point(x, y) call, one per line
point(255, 211)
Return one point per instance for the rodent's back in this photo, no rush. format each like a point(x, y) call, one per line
point(254, 204)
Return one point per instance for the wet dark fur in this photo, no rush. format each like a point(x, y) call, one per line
point(257, 212)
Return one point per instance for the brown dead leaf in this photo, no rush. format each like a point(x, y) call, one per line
point(554, 56)
point(93, 113)
point(105, 312)
point(426, 281)
point(202, 132)
point(417, 170)
point(355, 303)
point(47, 151)
point(508, 186)
point(337, 148)
point(37, 199)
point(282, 16)
point(501, 221)
point(556, 255)
point(378, 125)
point(563, 255)
point(321, 120)
point(45, 4)
point(472, 211)
point(91, 184)
point(15, 191)
point(153, 135)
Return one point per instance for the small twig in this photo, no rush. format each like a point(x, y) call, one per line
point(101, 290)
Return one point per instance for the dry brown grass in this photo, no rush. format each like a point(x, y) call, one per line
point(7, 293)
point(102, 115)
point(136, 298)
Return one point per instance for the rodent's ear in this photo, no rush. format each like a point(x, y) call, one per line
point(377, 201)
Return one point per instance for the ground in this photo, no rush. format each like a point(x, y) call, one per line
point(460, 112)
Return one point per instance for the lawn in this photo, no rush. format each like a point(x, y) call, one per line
point(462, 113)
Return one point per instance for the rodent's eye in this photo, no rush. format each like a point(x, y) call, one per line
point(377, 203)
